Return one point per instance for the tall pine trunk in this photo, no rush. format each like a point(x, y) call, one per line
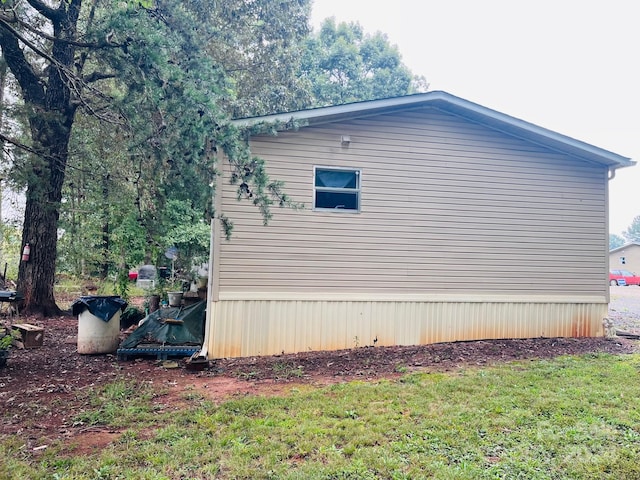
point(36, 277)
point(51, 113)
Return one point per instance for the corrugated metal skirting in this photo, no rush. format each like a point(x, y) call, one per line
point(242, 328)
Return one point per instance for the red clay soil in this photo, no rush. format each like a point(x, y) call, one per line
point(39, 386)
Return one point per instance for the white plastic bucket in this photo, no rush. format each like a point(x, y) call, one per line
point(97, 336)
point(175, 299)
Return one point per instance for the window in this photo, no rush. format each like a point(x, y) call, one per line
point(336, 189)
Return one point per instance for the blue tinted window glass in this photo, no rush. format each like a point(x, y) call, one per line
point(336, 179)
point(347, 201)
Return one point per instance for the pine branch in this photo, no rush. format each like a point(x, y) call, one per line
point(45, 10)
point(95, 76)
point(106, 43)
point(23, 146)
point(20, 67)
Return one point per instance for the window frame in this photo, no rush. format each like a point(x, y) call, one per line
point(356, 191)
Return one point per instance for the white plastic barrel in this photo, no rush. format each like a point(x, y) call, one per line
point(175, 298)
point(97, 336)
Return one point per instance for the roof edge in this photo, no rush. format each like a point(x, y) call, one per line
point(454, 105)
point(626, 245)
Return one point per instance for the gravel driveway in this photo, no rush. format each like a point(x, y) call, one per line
point(624, 308)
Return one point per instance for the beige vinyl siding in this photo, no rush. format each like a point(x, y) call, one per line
point(446, 206)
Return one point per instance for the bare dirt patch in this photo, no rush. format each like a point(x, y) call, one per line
point(41, 388)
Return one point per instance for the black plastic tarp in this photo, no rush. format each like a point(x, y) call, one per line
point(171, 326)
point(102, 306)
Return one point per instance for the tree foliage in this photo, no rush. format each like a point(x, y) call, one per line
point(632, 234)
point(143, 71)
point(167, 167)
point(9, 251)
point(344, 64)
point(259, 44)
point(615, 241)
point(125, 109)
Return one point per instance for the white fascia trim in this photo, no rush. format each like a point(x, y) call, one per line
point(346, 109)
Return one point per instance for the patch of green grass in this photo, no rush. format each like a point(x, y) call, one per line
point(570, 417)
point(286, 371)
point(248, 375)
point(401, 368)
point(119, 404)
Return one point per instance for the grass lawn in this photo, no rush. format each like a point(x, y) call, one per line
point(571, 417)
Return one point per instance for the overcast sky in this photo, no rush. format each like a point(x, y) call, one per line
point(567, 65)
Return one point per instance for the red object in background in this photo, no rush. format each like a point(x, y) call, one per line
point(26, 252)
point(133, 275)
point(623, 277)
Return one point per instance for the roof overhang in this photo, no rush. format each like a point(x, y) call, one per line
point(626, 245)
point(453, 105)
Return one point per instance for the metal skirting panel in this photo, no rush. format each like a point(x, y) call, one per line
point(244, 328)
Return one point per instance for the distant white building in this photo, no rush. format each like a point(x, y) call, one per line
point(626, 257)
